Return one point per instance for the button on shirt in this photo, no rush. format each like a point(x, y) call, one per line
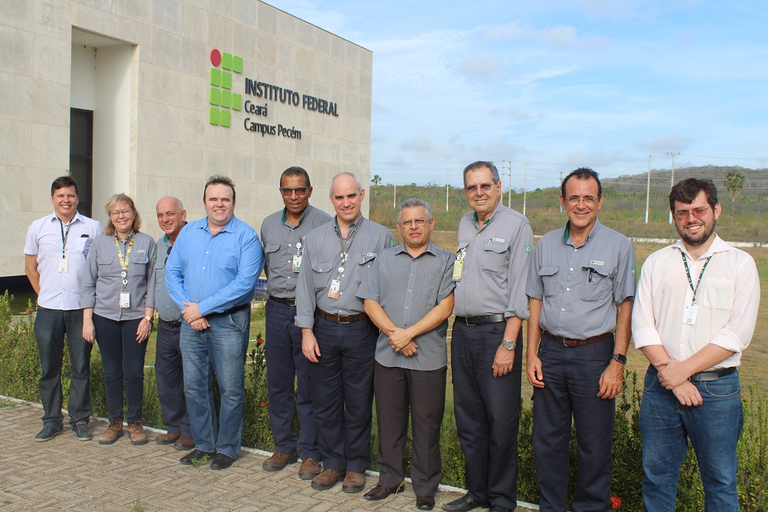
point(219, 271)
point(322, 259)
point(728, 299)
point(281, 243)
point(166, 308)
point(408, 288)
point(61, 290)
point(580, 287)
point(496, 264)
point(102, 282)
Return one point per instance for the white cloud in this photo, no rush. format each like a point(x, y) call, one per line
point(418, 145)
point(671, 143)
point(478, 67)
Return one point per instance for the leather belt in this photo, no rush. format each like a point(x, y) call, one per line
point(233, 310)
point(577, 343)
point(342, 319)
point(288, 302)
point(480, 320)
point(174, 323)
point(712, 375)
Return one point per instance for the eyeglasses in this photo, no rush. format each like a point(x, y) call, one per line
point(300, 191)
point(473, 189)
point(697, 212)
point(117, 213)
point(418, 222)
point(588, 200)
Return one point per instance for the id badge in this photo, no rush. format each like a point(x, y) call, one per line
point(690, 314)
point(125, 299)
point(333, 291)
point(296, 264)
point(63, 265)
point(458, 269)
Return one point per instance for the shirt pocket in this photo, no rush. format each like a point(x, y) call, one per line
point(322, 269)
point(548, 277)
point(272, 262)
point(107, 266)
point(495, 256)
point(601, 286)
point(429, 286)
point(364, 262)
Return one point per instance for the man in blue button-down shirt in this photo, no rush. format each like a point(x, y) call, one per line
point(210, 274)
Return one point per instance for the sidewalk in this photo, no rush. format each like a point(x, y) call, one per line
point(67, 473)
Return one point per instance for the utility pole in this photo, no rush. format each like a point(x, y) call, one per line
point(447, 175)
point(394, 195)
point(509, 193)
point(648, 190)
point(560, 217)
point(525, 187)
point(672, 180)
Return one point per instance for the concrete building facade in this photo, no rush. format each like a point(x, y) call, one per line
point(150, 97)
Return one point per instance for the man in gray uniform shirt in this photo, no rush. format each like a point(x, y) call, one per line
point(409, 295)
point(169, 367)
point(581, 284)
point(283, 235)
point(337, 336)
point(491, 265)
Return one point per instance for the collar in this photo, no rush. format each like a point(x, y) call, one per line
point(567, 232)
point(718, 245)
point(431, 249)
point(76, 218)
point(489, 219)
point(351, 226)
point(284, 217)
point(227, 227)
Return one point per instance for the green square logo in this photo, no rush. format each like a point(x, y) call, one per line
point(213, 115)
point(226, 118)
point(237, 64)
point(226, 80)
point(226, 99)
point(216, 77)
point(237, 100)
point(226, 61)
point(215, 97)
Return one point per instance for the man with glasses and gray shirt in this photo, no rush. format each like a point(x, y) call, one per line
point(490, 270)
point(283, 235)
point(581, 284)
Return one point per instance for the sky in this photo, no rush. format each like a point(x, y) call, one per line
point(552, 85)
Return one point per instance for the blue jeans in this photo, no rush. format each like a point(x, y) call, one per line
point(219, 349)
point(50, 327)
point(123, 360)
point(714, 429)
point(286, 364)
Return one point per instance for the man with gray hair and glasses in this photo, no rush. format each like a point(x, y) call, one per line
point(408, 294)
point(491, 266)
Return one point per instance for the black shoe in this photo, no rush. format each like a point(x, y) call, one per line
point(48, 433)
point(425, 502)
point(465, 503)
point(499, 508)
point(380, 492)
point(195, 455)
point(81, 431)
point(221, 461)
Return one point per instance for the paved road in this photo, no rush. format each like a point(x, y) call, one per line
point(76, 475)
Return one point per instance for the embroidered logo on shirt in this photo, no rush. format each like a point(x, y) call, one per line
point(528, 249)
point(595, 262)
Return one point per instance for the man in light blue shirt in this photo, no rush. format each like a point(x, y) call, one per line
point(210, 274)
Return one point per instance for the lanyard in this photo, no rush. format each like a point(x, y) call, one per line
point(345, 253)
point(64, 236)
point(124, 259)
point(688, 272)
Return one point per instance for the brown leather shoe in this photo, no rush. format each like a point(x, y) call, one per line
point(168, 438)
point(354, 482)
point(113, 432)
point(184, 443)
point(309, 469)
point(136, 433)
point(279, 460)
point(327, 479)
point(425, 502)
point(380, 492)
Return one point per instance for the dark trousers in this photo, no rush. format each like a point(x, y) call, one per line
point(50, 327)
point(423, 392)
point(342, 392)
point(571, 384)
point(286, 364)
point(487, 412)
point(123, 360)
point(169, 368)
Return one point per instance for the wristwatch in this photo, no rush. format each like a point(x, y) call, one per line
point(148, 318)
point(509, 344)
point(620, 358)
